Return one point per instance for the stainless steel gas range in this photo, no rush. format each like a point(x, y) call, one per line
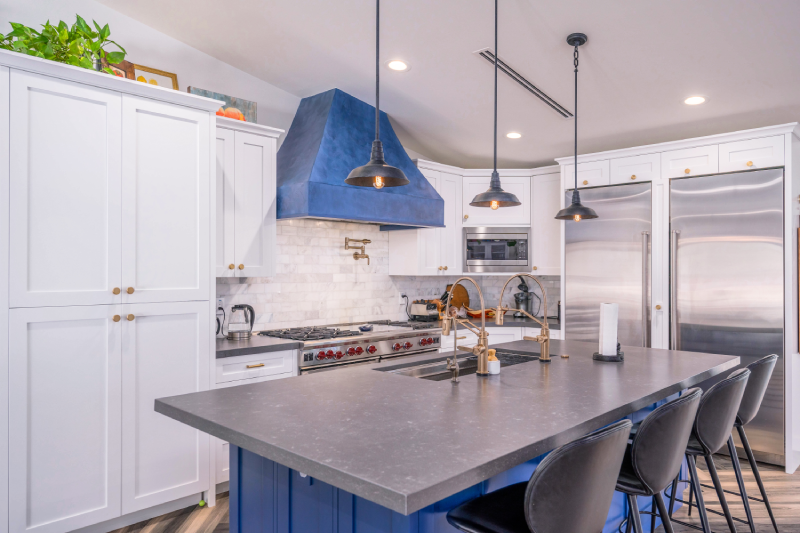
point(327, 348)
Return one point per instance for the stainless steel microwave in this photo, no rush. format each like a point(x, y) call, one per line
point(497, 249)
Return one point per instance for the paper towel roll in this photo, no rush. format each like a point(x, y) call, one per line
point(609, 316)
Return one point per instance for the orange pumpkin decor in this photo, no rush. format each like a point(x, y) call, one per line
point(220, 112)
point(234, 113)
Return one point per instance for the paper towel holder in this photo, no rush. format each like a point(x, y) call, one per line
point(618, 358)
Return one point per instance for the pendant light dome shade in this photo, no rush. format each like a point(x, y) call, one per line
point(495, 196)
point(376, 173)
point(576, 210)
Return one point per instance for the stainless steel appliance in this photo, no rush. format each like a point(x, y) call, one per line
point(424, 311)
point(608, 260)
point(327, 348)
point(240, 325)
point(726, 277)
point(497, 249)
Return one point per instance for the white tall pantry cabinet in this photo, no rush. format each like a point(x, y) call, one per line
point(106, 304)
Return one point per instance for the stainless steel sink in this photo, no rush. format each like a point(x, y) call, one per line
point(437, 370)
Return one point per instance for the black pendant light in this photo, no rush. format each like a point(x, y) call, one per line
point(576, 211)
point(377, 173)
point(495, 196)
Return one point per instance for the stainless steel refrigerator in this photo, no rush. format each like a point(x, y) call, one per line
point(726, 281)
point(608, 260)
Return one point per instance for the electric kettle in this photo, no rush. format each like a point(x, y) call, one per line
point(240, 325)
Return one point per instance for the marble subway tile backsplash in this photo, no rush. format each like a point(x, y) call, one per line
point(318, 282)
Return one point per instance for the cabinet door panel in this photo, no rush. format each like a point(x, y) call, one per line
point(546, 229)
point(165, 352)
point(645, 167)
point(64, 417)
point(430, 252)
point(165, 195)
point(65, 192)
point(255, 208)
point(751, 154)
point(690, 162)
point(450, 235)
point(224, 257)
point(591, 174)
point(506, 216)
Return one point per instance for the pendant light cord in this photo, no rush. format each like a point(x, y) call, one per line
point(575, 56)
point(377, 70)
point(495, 86)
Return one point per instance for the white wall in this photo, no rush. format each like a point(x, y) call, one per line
point(146, 46)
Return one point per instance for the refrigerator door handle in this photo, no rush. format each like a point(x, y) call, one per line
point(645, 302)
point(673, 290)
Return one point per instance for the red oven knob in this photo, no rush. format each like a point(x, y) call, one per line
point(351, 351)
point(329, 354)
point(396, 346)
point(339, 354)
point(407, 345)
point(423, 342)
point(430, 340)
point(372, 349)
point(321, 355)
point(359, 350)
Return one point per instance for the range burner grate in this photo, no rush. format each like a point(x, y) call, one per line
point(310, 333)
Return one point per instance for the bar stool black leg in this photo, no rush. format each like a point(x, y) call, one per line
point(737, 469)
point(637, 519)
point(712, 469)
point(653, 516)
point(696, 484)
point(672, 494)
point(662, 510)
point(754, 467)
point(630, 521)
point(691, 495)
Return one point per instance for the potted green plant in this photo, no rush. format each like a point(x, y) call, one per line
point(78, 45)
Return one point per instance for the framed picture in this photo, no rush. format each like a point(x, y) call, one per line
point(154, 76)
point(123, 69)
point(236, 108)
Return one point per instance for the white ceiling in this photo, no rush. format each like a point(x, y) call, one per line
point(642, 59)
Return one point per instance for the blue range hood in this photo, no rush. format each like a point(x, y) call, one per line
point(332, 134)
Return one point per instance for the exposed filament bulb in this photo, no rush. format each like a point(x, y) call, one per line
point(576, 218)
point(495, 205)
point(378, 183)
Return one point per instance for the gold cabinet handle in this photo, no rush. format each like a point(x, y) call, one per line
point(130, 290)
point(687, 171)
point(116, 290)
point(460, 338)
point(440, 268)
point(633, 177)
point(466, 217)
point(586, 182)
point(241, 267)
point(231, 266)
point(130, 318)
point(115, 318)
point(445, 268)
point(536, 268)
point(259, 365)
point(749, 163)
point(658, 307)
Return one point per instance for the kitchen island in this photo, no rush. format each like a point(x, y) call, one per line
point(329, 451)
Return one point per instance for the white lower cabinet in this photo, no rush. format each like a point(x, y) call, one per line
point(85, 443)
point(497, 335)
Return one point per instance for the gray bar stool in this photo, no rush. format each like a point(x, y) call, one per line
point(712, 427)
point(569, 492)
point(654, 457)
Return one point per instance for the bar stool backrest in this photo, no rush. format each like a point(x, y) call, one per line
point(571, 489)
point(717, 411)
point(760, 372)
point(659, 445)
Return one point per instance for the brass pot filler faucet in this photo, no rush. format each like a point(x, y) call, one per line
point(357, 255)
point(481, 349)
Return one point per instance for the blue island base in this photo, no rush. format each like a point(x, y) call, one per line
point(266, 497)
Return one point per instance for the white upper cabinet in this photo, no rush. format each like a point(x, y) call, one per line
point(751, 154)
point(164, 354)
point(505, 216)
point(450, 236)
point(64, 411)
point(165, 202)
point(591, 174)
point(645, 167)
point(546, 202)
point(65, 169)
point(246, 212)
point(690, 162)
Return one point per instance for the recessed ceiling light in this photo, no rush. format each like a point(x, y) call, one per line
point(513, 135)
point(396, 64)
point(694, 100)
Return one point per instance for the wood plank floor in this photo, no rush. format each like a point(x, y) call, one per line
point(783, 491)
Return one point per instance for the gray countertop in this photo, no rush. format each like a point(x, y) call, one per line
point(255, 344)
point(406, 443)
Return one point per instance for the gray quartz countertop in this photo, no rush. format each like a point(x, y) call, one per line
point(255, 344)
point(406, 443)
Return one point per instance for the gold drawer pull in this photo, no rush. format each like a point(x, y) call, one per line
point(441, 268)
point(687, 171)
point(749, 163)
point(241, 267)
point(130, 318)
point(130, 290)
point(231, 266)
point(536, 268)
point(445, 268)
point(466, 217)
point(586, 182)
point(658, 307)
point(633, 177)
point(459, 338)
point(115, 291)
point(259, 365)
point(116, 318)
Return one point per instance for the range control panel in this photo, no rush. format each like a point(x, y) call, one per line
point(352, 350)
